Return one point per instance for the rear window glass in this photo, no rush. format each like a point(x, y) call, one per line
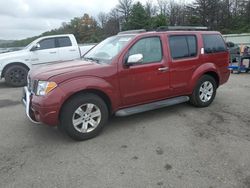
point(64, 41)
point(213, 43)
point(192, 46)
point(183, 46)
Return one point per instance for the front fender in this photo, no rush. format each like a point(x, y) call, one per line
point(4, 65)
point(73, 86)
point(21, 57)
point(201, 70)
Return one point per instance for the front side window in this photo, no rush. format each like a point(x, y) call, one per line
point(64, 42)
point(105, 51)
point(47, 44)
point(183, 46)
point(149, 47)
point(213, 43)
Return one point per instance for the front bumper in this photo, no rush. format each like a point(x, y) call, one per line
point(42, 109)
point(27, 103)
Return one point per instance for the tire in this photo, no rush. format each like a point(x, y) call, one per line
point(76, 120)
point(16, 76)
point(207, 86)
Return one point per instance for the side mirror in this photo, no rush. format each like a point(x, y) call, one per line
point(36, 47)
point(134, 59)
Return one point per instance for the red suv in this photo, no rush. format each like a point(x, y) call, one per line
point(129, 73)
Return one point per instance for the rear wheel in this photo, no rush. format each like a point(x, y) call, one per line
point(204, 92)
point(84, 116)
point(16, 76)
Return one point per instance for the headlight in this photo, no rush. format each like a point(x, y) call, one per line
point(44, 87)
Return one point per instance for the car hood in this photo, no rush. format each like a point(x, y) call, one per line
point(12, 55)
point(47, 72)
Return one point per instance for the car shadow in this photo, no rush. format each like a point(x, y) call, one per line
point(118, 123)
point(3, 84)
point(115, 125)
point(46, 134)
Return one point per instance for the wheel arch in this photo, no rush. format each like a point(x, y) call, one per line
point(215, 76)
point(204, 69)
point(11, 64)
point(97, 92)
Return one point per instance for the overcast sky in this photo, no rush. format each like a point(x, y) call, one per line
point(25, 18)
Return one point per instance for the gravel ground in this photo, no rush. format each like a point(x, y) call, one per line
point(179, 146)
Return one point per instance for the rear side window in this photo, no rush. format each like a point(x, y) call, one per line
point(192, 45)
point(64, 42)
point(183, 46)
point(213, 43)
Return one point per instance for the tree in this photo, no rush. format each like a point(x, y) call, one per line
point(124, 8)
point(138, 18)
point(162, 5)
point(103, 18)
point(247, 14)
point(150, 9)
point(158, 20)
point(227, 16)
point(112, 27)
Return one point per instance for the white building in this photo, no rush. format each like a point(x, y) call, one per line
point(239, 39)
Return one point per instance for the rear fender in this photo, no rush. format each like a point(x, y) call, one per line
point(201, 70)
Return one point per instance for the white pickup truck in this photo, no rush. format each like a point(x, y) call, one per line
point(14, 66)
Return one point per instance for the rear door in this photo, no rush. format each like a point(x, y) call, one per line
point(184, 59)
point(148, 80)
point(47, 52)
point(66, 50)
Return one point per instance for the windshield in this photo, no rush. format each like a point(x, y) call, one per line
point(105, 51)
point(28, 46)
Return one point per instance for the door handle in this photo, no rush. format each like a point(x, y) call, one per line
point(72, 50)
point(52, 52)
point(163, 69)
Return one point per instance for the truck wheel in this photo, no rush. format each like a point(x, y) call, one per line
point(16, 76)
point(84, 116)
point(204, 92)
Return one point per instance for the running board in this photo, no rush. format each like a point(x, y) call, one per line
point(151, 106)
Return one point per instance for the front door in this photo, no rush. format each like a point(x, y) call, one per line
point(146, 81)
point(47, 52)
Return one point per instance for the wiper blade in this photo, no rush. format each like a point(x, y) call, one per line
point(91, 59)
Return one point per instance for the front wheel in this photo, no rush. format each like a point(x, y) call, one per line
point(84, 116)
point(16, 76)
point(204, 92)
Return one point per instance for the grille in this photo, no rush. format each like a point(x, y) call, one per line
point(32, 84)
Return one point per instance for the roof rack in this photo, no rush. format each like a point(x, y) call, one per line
point(178, 28)
point(132, 31)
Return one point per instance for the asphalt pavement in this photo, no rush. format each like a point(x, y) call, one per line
point(178, 146)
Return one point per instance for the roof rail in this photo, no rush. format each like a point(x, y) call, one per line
point(186, 28)
point(132, 31)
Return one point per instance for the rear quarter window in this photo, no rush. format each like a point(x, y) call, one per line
point(213, 43)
